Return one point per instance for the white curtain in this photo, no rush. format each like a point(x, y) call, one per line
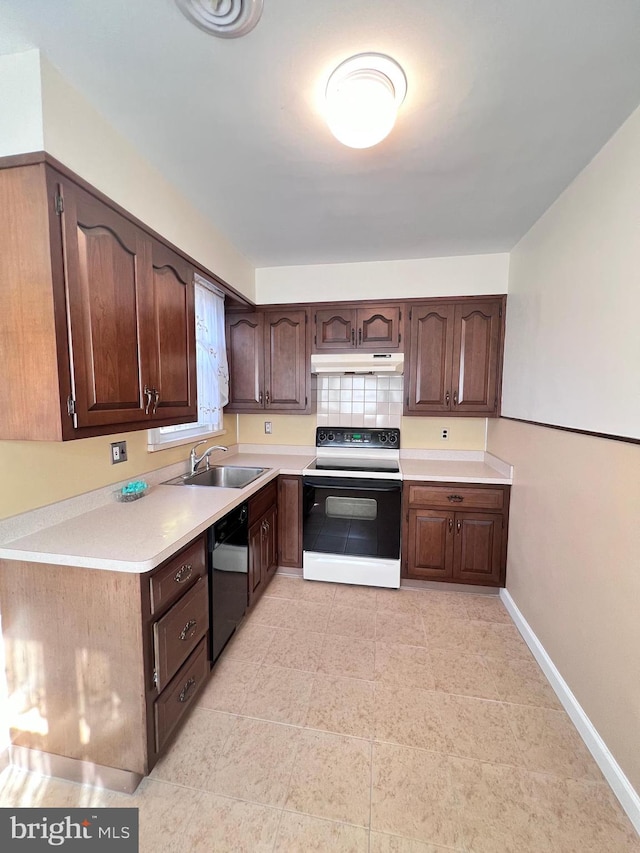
point(212, 369)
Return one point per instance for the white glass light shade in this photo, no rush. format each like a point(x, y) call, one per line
point(362, 99)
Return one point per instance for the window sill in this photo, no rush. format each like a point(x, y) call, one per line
point(154, 444)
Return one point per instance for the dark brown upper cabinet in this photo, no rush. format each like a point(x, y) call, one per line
point(268, 357)
point(455, 358)
point(375, 328)
point(98, 315)
point(173, 335)
point(131, 317)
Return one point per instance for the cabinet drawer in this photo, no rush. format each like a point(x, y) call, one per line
point(180, 693)
point(178, 632)
point(168, 583)
point(456, 497)
point(261, 502)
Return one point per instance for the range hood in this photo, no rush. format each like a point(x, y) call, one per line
point(358, 362)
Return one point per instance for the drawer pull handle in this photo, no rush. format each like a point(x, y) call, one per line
point(187, 691)
point(184, 573)
point(455, 499)
point(189, 630)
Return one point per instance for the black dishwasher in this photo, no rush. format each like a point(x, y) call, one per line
point(228, 568)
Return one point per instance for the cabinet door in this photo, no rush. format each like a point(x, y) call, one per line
point(430, 544)
point(478, 548)
point(245, 352)
point(379, 328)
point(173, 332)
point(476, 351)
point(256, 585)
point(106, 260)
point(269, 544)
point(285, 360)
point(430, 358)
point(335, 329)
point(290, 521)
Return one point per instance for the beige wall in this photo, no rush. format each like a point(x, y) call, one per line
point(572, 346)
point(80, 137)
point(417, 433)
point(21, 127)
point(37, 473)
point(468, 275)
point(574, 567)
point(571, 357)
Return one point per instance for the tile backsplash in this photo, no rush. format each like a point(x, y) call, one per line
point(360, 401)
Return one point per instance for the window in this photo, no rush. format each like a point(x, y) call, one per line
point(212, 372)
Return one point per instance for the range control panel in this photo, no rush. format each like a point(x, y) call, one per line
point(348, 437)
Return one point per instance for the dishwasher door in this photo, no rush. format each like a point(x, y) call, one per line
point(228, 576)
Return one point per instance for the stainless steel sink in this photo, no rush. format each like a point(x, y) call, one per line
point(220, 476)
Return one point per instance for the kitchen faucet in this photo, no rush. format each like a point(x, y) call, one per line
point(195, 460)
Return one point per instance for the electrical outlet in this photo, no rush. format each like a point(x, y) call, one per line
point(267, 427)
point(445, 435)
point(118, 452)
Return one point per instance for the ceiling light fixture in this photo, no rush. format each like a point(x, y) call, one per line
point(362, 99)
point(227, 19)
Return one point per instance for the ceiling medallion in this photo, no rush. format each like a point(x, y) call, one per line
point(362, 99)
point(227, 19)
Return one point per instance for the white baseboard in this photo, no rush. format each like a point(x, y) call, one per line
point(620, 785)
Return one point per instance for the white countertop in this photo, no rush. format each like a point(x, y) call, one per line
point(454, 471)
point(138, 536)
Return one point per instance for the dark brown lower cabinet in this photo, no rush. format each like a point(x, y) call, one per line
point(290, 521)
point(445, 542)
point(263, 541)
point(121, 659)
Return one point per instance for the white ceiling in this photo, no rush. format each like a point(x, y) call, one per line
point(507, 102)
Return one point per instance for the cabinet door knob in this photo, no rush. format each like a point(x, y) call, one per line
point(267, 399)
point(156, 397)
point(450, 525)
point(189, 630)
point(187, 691)
point(447, 397)
point(455, 499)
point(459, 525)
point(353, 337)
point(260, 398)
point(184, 573)
point(455, 398)
point(148, 393)
point(359, 336)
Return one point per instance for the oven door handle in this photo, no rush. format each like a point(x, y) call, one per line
point(351, 485)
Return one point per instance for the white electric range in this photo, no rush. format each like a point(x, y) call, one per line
point(352, 507)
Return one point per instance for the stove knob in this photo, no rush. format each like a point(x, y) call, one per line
point(331, 437)
point(393, 438)
point(322, 436)
point(383, 438)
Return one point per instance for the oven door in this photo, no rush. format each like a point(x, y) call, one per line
point(351, 530)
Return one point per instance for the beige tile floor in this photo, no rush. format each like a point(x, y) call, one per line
point(357, 720)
